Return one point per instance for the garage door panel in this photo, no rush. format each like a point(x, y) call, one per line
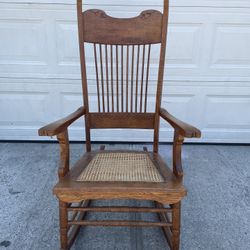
point(32, 103)
point(231, 47)
point(67, 47)
point(228, 111)
point(22, 45)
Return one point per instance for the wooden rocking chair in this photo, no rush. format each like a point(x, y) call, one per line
point(121, 52)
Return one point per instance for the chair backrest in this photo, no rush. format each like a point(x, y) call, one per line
point(122, 49)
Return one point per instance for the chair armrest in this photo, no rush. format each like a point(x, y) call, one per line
point(184, 129)
point(61, 125)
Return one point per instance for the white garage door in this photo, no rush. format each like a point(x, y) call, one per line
point(207, 76)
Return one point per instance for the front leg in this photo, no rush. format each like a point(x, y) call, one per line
point(63, 140)
point(177, 162)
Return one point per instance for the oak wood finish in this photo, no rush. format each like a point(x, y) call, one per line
point(176, 217)
point(121, 48)
point(73, 230)
point(63, 140)
point(168, 192)
point(63, 225)
point(98, 27)
point(121, 209)
point(69, 232)
point(119, 223)
point(83, 73)
point(122, 120)
point(163, 216)
point(177, 161)
point(161, 72)
point(183, 128)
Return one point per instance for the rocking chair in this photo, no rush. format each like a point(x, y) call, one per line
point(121, 66)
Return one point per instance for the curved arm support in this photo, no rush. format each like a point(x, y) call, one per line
point(177, 162)
point(181, 130)
point(61, 125)
point(184, 129)
point(63, 140)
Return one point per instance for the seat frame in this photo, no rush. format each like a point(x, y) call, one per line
point(166, 196)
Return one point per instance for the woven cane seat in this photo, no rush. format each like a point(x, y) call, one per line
point(117, 174)
point(121, 166)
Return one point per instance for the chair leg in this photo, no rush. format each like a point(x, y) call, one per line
point(176, 214)
point(63, 213)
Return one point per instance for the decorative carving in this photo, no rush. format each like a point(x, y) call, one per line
point(147, 14)
point(142, 29)
point(99, 13)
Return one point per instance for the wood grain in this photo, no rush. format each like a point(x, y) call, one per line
point(119, 223)
point(122, 120)
point(145, 28)
point(184, 129)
